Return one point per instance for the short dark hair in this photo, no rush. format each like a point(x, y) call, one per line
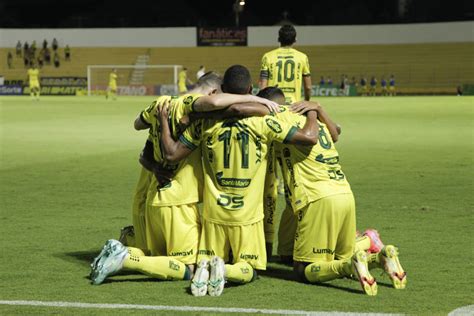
point(271, 93)
point(210, 79)
point(237, 80)
point(287, 35)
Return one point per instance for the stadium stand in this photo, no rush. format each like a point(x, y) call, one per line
point(418, 68)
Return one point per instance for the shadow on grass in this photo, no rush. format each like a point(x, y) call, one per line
point(78, 256)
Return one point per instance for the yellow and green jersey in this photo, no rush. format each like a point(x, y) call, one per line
point(186, 185)
point(310, 173)
point(235, 163)
point(33, 75)
point(285, 67)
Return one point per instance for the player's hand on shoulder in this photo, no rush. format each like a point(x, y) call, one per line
point(162, 110)
point(303, 107)
point(272, 106)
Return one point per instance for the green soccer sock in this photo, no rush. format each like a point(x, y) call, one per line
point(240, 272)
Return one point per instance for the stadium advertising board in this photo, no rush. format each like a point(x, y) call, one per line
point(326, 91)
point(58, 85)
point(221, 36)
point(136, 90)
point(11, 90)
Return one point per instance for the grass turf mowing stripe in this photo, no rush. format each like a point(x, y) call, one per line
point(183, 308)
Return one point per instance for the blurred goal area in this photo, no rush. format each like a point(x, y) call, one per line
point(134, 80)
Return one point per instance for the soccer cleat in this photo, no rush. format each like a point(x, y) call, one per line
point(389, 260)
point(376, 243)
point(361, 271)
point(200, 279)
point(217, 278)
point(125, 233)
point(109, 261)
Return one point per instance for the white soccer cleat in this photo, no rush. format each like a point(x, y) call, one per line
point(217, 278)
point(109, 261)
point(200, 279)
point(361, 272)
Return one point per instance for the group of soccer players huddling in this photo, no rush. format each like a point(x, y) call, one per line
point(218, 144)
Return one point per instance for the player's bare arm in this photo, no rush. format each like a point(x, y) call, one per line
point(304, 106)
point(139, 124)
point(239, 110)
point(308, 87)
point(223, 100)
point(173, 151)
point(308, 135)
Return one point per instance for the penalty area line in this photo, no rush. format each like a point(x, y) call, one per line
point(181, 308)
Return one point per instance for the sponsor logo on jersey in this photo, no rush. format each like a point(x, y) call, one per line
point(274, 125)
point(248, 256)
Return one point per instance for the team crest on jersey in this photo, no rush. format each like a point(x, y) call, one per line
point(188, 100)
point(274, 125)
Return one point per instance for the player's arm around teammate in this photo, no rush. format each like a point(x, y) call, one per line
point(175, 151)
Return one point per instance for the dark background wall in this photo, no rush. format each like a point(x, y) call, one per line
point(147, 13)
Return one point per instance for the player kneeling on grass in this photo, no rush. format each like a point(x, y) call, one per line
point(234, 158)
point(171, 214)
point(323, 199)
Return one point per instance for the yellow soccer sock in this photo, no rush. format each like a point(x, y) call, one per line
point(326, 271)
point(163, 268)
point(137, 252)
point(362, 243)
point(240, 272)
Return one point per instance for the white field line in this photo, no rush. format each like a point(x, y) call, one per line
point(183, 308)
point(463, 311)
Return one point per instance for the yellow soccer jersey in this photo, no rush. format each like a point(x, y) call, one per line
point(285, 67)
point(112, 79)
point(33, 76)
point(311, 173)
point(186, 185)
point(235, 163)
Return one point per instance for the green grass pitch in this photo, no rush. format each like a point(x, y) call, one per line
point(68, 168)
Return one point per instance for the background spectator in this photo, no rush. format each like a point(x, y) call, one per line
point(55, 45)
point(26, 48)
point(33, 49)
point(329, 81)
point(45, 44)
point(10, 60)
point(18, 49)
point(47, 56)
point(67, 53)
point(321, 81)
point(40, 61)
point(56, 60)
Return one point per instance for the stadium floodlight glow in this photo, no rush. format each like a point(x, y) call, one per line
point(242, 2)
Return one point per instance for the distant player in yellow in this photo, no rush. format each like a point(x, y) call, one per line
point(112, 88)
point(171, 216)
point(287, 68)
point(235, 164)
point(33, 79)
point(183, 81)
